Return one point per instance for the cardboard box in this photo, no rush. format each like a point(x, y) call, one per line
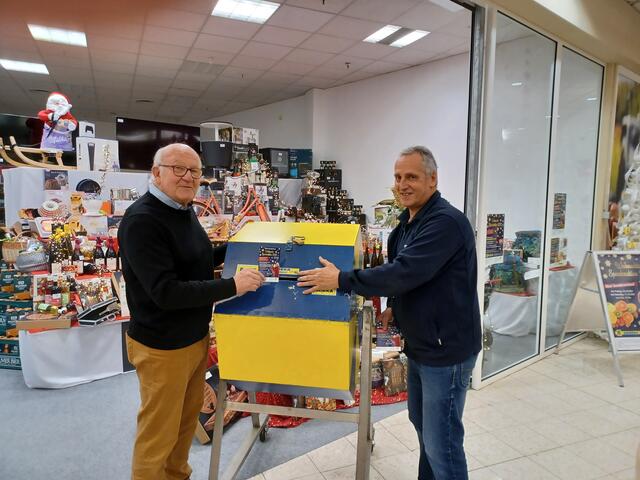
point(8, 303)
point(6, 280)
point(22, 283)
point(10, 353)
point(59, 322)
point(10, 317)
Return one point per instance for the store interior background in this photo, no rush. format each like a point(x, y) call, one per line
point(306, 80)
point(289, 78)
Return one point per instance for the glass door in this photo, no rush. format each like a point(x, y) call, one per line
point(572, 183)
point(514, 192)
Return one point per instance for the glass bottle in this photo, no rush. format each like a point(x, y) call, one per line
point(111, 261)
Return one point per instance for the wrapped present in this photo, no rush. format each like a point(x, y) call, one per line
point(394, 374)
point(529, 242)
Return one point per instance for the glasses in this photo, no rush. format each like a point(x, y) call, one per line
point(180, 171)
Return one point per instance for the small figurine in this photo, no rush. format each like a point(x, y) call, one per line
point(58, 123)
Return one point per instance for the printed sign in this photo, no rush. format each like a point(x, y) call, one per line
point(495, 235)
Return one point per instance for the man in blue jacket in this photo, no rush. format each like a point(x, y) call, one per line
point(430, 282)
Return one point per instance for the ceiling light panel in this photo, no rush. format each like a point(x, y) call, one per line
point(18, 66)
point(410, 38)
point(381, 34)
point(58, 35)
point(255, 11)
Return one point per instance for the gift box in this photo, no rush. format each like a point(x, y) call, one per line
point(10, 353)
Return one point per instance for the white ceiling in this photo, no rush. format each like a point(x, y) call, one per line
point(193, 67)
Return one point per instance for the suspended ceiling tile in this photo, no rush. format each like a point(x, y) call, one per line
point(437, 42)
point(142, 82)
point(411, 56)
point(106, 79)
point(171, 36)
point(265, 50)
point(378, 10)
point(114, 67)
point(327, 43)
point(142, 94)
point(21, 56)
point(280, 36)
point(159, 62)
point(71, 75)
point(329, 73)
point(104, 26)
point(165, 74)
point(112, 56)
point(21, 44)
point(339, 62)
point(209, 56)
point(165, 17)
point(309, 57)
point(163, 50)
point(227, 27)
point(380, 67)
point(292, 67)
point(222, 88)
point(329, 6)
point(278, 77)
point(242, 74)
point(202, 7)
point(252, 62)
point(64, 61)
point(48, 48)
point(348, 27)
point(372, 51)
point(299, 18)
point(425, 16)
point(219, 44)
point(113, 43)
point(32, 80)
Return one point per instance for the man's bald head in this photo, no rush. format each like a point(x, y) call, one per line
point(177, 183)
point(179, 148)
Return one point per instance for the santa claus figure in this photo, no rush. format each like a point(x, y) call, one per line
point(58, 123)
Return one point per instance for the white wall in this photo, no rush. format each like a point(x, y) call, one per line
point(286, 124)
point(364, 125)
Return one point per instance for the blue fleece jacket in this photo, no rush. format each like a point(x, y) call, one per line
point(431, 281)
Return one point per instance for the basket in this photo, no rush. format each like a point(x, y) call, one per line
point(11, 248)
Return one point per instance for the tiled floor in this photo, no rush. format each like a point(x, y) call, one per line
point(561, 418)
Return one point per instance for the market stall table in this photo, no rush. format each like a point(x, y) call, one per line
point(67, 357)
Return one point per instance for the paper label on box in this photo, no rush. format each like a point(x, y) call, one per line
point(289, 271)
point(243, 266)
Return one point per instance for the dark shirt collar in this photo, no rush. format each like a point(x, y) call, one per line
point(404, 216)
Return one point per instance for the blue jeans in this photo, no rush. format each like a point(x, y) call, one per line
point(435, 404)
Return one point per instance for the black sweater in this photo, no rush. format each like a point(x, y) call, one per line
point(431, 279)
point(167, 262)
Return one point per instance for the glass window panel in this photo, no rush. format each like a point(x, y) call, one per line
point(572, 184)
point(517, 157)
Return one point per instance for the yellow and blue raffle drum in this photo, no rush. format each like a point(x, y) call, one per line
point(278, 339)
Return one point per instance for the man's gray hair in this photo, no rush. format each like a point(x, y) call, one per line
point(428, 160)
point(157, 157)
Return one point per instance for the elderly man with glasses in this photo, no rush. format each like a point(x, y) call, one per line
point(168, 262)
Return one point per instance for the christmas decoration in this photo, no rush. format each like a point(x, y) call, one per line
point(58, 123)
point(629, 224)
